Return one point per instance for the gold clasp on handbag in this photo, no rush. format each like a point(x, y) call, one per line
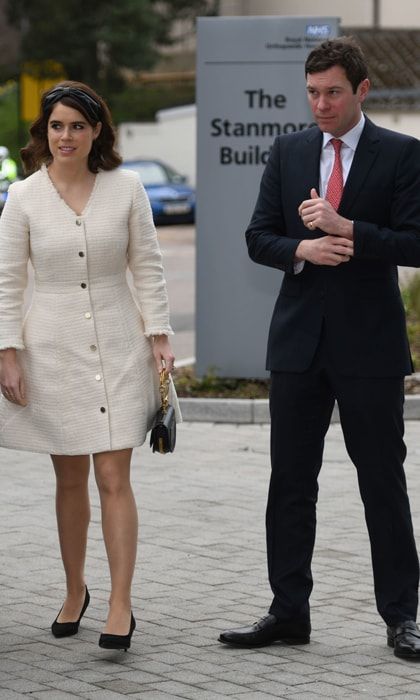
point(164, 389)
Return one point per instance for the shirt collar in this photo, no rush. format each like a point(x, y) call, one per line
point(351, 138)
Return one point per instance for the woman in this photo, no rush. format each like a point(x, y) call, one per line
point(81, 376)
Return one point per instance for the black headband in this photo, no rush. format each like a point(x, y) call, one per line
point(90, 105)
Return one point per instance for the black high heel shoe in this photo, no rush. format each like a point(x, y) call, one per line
point(118, 641)
point(67, 629)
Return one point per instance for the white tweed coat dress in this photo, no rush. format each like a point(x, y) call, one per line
point(84, 346)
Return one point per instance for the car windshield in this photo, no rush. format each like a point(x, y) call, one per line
point(150, 173)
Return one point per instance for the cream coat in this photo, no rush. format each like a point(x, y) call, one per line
point(92, 385)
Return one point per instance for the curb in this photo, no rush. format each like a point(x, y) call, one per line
point(257, 411)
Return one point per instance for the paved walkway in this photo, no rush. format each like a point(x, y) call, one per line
point(202, 568)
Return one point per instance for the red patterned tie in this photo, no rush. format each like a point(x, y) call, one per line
point(335, 183)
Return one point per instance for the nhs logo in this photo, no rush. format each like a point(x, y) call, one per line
point(318, 31)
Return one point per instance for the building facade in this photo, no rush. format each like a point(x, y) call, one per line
point(404, 14)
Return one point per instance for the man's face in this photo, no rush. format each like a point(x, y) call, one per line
point(335, 106)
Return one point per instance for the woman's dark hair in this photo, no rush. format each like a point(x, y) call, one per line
point(70, 93)
point(344, 52)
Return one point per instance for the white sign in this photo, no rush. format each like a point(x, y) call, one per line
point(250, 89)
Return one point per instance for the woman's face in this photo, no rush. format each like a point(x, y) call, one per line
point(70, 136)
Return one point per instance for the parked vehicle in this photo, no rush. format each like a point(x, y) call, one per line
point(171, 198)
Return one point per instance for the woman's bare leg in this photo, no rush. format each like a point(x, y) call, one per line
point(73, 515)
point(120, 530)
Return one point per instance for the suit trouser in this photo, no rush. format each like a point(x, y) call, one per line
point(371, 414)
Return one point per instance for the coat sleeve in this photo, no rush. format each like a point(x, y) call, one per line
point(397, 243)
point(145, 263)
point(14, 256)
point(266, 234)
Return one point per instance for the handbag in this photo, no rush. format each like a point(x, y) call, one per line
point(163, 435)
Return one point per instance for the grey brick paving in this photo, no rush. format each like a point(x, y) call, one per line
point(201, 569)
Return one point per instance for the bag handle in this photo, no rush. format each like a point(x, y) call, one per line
point(164, 389)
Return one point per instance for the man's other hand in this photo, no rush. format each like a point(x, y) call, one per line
point(328, 250)
point(318, 213)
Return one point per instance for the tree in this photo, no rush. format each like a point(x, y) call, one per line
point(94, 39)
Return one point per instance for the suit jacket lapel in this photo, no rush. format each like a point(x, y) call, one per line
point(299, 166)
point(310, 158)
point(364, 157)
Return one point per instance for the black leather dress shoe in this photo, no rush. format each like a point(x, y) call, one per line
point(268, 630)
point(405, 638)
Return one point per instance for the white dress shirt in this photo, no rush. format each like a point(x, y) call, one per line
point(348, 148)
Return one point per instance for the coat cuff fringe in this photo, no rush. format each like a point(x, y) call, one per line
point(15, 346)
point(158, 331)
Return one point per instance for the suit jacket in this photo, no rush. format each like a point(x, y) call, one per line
point(358, 302)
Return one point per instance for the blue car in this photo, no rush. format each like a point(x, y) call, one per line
point(171, 198)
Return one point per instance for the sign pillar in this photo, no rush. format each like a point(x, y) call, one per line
point(250, 88)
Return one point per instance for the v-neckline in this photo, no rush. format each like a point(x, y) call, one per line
point(44, 169)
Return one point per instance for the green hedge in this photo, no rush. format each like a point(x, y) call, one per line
point(411, 298)
point(12, 134)
point(140, 103)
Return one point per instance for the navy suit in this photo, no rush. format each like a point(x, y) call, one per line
point(338, 333)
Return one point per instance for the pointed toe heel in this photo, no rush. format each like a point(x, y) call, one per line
point(68, 629)
point(118, 641)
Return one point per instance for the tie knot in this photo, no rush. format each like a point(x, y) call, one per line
point(336, 143)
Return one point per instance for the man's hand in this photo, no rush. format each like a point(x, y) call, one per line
point(318, 213)
point(328, 250)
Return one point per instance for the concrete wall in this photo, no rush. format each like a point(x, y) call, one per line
point(405, 122)
point(172, 138)
point(404, 14)
point(356, 12)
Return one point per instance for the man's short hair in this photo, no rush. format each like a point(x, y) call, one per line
point(344, 52)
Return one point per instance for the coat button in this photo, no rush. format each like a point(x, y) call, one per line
point(81, 254)
point(83, 285)
point(98, 377)
point(78, 222)
point(103, 409)
point(93, 348)
point(88, 315)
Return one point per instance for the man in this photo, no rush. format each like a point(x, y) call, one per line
point(338, 210)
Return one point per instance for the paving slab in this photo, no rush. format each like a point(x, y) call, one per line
point(201, 569)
